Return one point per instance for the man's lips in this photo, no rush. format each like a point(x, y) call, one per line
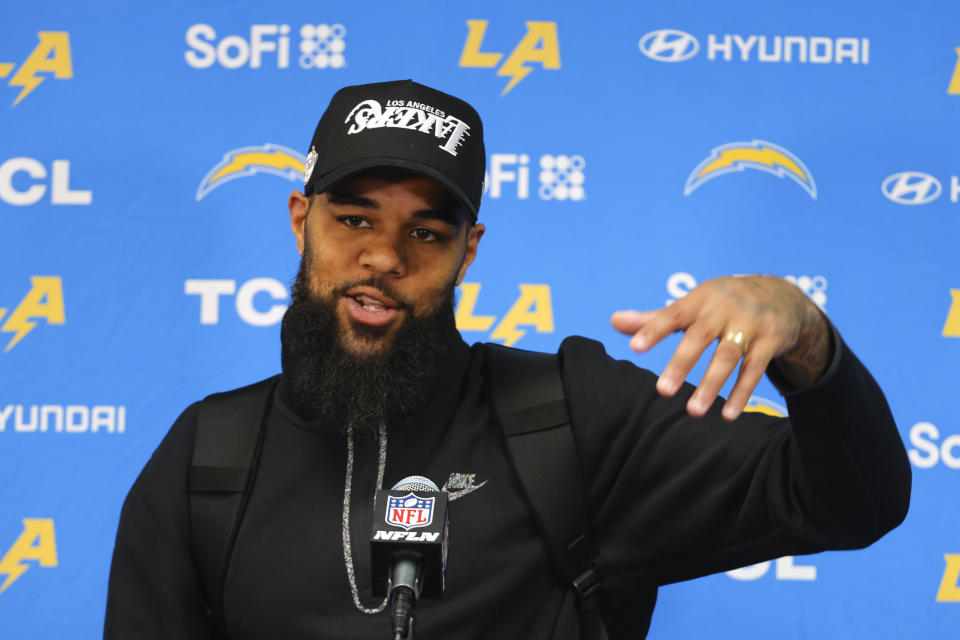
point(370, 306)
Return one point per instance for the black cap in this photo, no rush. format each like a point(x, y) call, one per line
point(399, 124)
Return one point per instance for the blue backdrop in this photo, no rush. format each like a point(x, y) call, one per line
point(146, 153)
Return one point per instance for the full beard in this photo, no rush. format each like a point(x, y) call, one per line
point(331, 386)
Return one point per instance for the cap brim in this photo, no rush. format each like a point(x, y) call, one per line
point(357, 165)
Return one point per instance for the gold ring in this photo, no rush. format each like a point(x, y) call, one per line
point(737, 338)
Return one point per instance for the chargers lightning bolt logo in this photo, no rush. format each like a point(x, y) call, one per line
point(51, 55)
point(756, 154)
point(756, 404)
point(246, 161)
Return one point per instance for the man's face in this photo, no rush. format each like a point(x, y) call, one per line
point(379, 248)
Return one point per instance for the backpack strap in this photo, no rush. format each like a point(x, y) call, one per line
point(526, 391)
point(226, 449)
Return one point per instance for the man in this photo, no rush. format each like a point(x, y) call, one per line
point(377, 385)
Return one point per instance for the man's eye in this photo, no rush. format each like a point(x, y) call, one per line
point(426, 235)
point(355, 222)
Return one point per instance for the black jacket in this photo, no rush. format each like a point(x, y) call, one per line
point(672, 498)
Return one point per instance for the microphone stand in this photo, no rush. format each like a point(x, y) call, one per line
point(406, 579)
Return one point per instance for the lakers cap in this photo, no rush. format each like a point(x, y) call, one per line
point(399, 124)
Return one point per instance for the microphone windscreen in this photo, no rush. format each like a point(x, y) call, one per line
point(415, 483)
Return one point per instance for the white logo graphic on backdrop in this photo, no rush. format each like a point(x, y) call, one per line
point(814, 286)
point(927, 450)
point(561, 177)
point(785, 568)
point(56, 418)
point(669, 45)
point(681, 283)
point(58, 178)
point(211, 290)
point(911, 187)
point(673, 45)
point(321, 46)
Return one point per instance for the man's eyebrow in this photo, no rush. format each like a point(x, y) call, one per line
point(443, 215)
point(354, 201)
point(446, 215)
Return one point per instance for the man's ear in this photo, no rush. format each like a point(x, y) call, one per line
point(298, 204)
point(473, 240)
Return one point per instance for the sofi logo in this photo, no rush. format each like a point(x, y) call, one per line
point(539, 45)
point(929, 449)
point(321, 46)
point(555, 177)
point(49, 58)
point(681, 283)
point(35, 544)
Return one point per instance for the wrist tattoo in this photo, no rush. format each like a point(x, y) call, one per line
point(807, 361)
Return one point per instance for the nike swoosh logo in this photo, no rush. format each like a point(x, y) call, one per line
point(461, 484)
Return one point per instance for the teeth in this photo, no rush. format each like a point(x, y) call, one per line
point(370, 304)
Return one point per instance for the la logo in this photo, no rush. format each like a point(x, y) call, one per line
point(43, 301)
point(954, 87)
point(50, 56)
point(952, 327)
point(533, 308)
point(950, 585)
point(539, 44)
point(35, 543)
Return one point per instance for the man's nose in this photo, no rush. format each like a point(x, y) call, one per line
point(383, 256)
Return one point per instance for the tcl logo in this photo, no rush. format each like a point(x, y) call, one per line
point(210, 292)
point(34, 181)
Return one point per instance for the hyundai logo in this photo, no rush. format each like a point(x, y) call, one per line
point(911, 187)
point(669, 45)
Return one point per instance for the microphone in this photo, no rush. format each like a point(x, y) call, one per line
point(408, 548)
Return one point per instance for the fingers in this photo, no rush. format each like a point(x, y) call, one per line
point(724, 361)
point(695, 341)
point(727, 355)
point(630, 321)
point(751, 370)
point(658, 325)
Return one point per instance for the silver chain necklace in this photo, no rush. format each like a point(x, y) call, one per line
point(345, 529)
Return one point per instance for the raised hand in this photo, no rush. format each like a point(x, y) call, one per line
point(755, 319)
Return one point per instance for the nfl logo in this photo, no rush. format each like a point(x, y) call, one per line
point(409, 511)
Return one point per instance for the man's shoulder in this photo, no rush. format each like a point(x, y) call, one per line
point(584, 362)
point(257, 388)
point(577, 344)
